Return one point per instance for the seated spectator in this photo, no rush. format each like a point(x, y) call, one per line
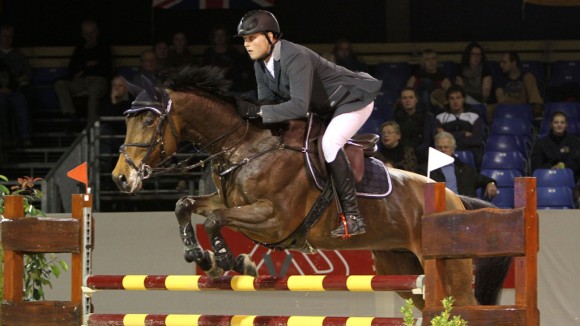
point(161, 52)
point(461, 178)
point(515, 87)
point(467, 128)
point(558, 149)
point(16, 61)
point(179, 54)
point(13, 102)
point(89, 69)
point(344, 55)
point(236, 67)
point(148, 68)
point(119, 100)
point(395, 153)
point(417, 125)
point(473, 74)
point(430, 82)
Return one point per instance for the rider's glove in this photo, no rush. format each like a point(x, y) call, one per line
point(248, 110)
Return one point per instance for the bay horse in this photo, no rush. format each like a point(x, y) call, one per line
point(265, 192)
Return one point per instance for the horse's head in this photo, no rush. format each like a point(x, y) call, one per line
point(151, 137)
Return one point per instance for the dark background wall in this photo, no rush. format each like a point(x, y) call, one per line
point(134, 22)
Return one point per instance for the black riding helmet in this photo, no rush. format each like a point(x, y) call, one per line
point(259, 21)
point(256, 21)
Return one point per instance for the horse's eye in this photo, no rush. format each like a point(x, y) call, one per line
point(148, 121)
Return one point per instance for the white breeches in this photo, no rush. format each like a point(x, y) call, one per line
point(341, 128)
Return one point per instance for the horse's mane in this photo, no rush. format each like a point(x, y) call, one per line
point(208, 79)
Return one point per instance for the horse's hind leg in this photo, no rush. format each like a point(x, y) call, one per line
point(192, 250)
point(400, 263)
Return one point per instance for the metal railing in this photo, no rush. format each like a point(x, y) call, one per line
point(98, 146)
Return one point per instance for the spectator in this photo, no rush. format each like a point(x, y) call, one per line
point(235, 66)
point(148, 68)
point(89, 69)
point(395, 153)
point(15, 92)
point(417, 126)
point(430, 82)
point(12, 100)
point(119, 100)
point(161, 52)
point(16, 61)
point(179, 54)
point(344, 55)
point(461, 178)
point(558, 149)
point(515, 87)
point(467, 128)
point(473, 74)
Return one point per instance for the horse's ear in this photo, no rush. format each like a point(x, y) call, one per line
point(149, 87)
point(133, 89)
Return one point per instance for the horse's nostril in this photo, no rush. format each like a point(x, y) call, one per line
point(122, 179)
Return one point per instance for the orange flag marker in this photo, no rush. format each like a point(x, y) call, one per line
point(80, 174)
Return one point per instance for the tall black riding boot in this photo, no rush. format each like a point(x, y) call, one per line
point(343, 179)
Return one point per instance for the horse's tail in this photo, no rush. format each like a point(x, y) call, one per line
point(489, 272)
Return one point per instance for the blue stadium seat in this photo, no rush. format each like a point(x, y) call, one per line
point(504, 197)
point(45, 76)
point(565, 72)
point(42, 82)
point(570, 109)
point(523, 111)
point(554, 178)
point(384, 105)
point(512, 126)
point(507, 143)
point(503, 178)
point(394, 75)
point(449, 68)
point(127, 71)
point(494, 68)
point(555, 198)
point(504, 161)
point(481, 110)
point(371, 126)
point(466, 157)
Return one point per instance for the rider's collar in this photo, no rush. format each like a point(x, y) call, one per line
point(276, 52)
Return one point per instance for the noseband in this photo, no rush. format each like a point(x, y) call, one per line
point(144, 170)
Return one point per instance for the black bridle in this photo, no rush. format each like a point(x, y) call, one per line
point(143, 170)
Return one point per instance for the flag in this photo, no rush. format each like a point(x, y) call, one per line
point(212, 4)
point(80, 174)
point(437, 159)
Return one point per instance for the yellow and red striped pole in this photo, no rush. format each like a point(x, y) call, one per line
point(315, 283)
point(237, 320)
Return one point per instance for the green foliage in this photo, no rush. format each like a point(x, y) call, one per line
point(37, 269)
point(441, 320)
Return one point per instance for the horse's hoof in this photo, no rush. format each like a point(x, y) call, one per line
point(245, 265)
point(214, 271)
point(224, 260)
point(193, 255)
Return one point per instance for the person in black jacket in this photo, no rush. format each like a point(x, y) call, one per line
point(89, 70)
point(559, 149)
point(301, 82)
point(461, 178)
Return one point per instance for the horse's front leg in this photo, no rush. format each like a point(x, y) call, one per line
point(187, 205)
point(250, 216)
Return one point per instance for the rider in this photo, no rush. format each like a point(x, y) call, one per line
point(301, 81)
